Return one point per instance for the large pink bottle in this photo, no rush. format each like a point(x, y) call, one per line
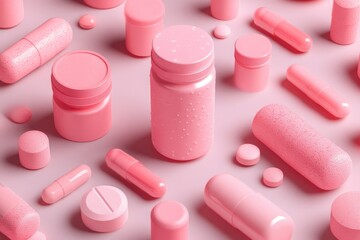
point(182, 92)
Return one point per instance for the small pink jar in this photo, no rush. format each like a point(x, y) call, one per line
point(103, 4)
point(144, 19)
point(182, 92)
point(252, 62)
point(81, 83)
point(224, 9)
point(11, 13)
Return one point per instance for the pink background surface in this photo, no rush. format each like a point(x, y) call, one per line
point(308, 206)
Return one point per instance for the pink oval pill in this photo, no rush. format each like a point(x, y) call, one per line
point(87, 22)
point(37, 236)
point(169, 221)
point(20, 114)
point(344, 219)
point(104, 209)
point(273, 177)
point(222, 31)
point(34, 150)
point(248, 154)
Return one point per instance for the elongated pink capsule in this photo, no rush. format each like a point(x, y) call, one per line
point(66, 184)
point(314, 156)
point(133, 171)
point(318, 91)
point(279, 27)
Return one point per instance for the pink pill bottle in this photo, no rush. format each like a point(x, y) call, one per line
point(252, 62)
point(11, 13)
point(144, 19)
point(182, 92)
point(81, 83)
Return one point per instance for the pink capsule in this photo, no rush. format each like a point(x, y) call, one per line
point(279, 27)
point(133, 171)
point(66, 184)
point(318, 91)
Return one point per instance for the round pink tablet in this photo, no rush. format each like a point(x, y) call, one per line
point(20, 114)
point(87, 22)
point(104, 209)
point(273, 177)
point(169, 221)
point(37, 236)
point(34, 150)
point(222, 31)
point(248, 154)
point(344, 219)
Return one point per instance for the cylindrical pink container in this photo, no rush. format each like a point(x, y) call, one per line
point(252, 62)
point(103, 4)
point(144, 19)
point(81, 83)
point(224, 9)
point(345, 21)
point(17, 219)
point(314, 156)
point(34, 50)
point(11, 13)
point(182, 92)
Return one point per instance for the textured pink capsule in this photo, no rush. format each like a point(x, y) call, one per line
point(34, 50)
point(315, 157)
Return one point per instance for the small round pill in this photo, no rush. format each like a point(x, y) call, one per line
point(104, 209)
point(248, 154)
point(20, 114)
point(87, 22)
point(34, 149)
point(344, 218)
point(273, 177)
point(37, 236)
point(222, 31)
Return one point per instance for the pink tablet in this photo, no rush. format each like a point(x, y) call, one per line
point(87, 22)
point(248, 154)
point(273, 177)
point(104, 209)
point(11, 13)
point(20, 114)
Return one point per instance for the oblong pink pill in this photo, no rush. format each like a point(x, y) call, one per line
point(315, 157)
point(279, 27)
point(344, 218)
point(133, 171)
point(66, 184)
point(318, 91)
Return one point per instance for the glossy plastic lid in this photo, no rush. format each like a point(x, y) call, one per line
point(252, 50)
point(81, 78)
point(144, 12)
point(183, 50)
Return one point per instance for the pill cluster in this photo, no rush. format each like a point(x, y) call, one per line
point(182, 77)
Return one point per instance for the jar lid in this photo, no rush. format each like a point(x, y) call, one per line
point(183, 50)
point(144, 12)
point(252, 50)
point(81, 76)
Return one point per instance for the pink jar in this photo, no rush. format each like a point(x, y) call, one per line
point(224, 9)
point(252, 62)
point(11, 13)
point(144, 19)
point(182, 92)
point(103, 4)
point(81, 83)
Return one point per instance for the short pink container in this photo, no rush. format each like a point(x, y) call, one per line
point(81, 83)
point(345, 21)
point(252, 62)
point(224, 9)
point(182, 92)
point(103, 4)
point(144, 19)
point(11, 13)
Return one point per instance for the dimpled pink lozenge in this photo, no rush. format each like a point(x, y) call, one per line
point(34, 50)
point(315, 157)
